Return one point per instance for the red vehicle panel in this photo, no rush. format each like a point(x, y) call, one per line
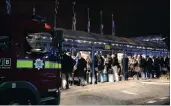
point(26, 55)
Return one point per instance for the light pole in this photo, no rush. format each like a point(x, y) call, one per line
point(56, 12)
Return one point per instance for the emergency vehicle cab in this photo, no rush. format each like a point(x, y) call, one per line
point(30, 61)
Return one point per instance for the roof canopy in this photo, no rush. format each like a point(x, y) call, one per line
point(81, 35)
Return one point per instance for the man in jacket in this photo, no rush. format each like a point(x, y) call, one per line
point(115, 67)
point(167, 63)
point(100, 65)
point(67, 67)
point(81, 68)
point(142, 68)
point(150, 67)
point(125, 61)
point(71, 64)
point(96, 68)
point(157, 66)
point(108, 64)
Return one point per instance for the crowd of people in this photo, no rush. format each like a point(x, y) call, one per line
point(137, 67)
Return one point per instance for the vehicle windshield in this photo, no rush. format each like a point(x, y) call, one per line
point(39, 42)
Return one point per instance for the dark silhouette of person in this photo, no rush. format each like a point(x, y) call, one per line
point(150, 67)
point(67, 67)
point(81, 66)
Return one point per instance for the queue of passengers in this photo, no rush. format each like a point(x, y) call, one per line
point(137, 67)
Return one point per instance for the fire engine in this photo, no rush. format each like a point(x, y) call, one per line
point(30, 61)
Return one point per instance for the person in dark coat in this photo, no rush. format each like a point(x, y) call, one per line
point(137, 68)
point(157, 66)
point(96, 68)
point(81, 68)
point(109, 62)
point(167, 63)
point(142, 68)
point(161, 61)
point(67, 67)
point(108, 65)
point(100, 65)
point(70, 68)
point(150, 67)
point(89, 69)
point(115, 67)
point(125, 69)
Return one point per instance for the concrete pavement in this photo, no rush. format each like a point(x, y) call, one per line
point(118, 93)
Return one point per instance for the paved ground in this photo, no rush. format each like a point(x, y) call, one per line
point(119, 93)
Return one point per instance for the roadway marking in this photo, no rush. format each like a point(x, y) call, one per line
point(156, 83)
point(159, 99)
point(91, 89)
point(127, 92)
point(152, 101)
point(163, 98)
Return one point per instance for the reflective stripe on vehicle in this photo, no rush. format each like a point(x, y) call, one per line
point(30, 64)
point(49, 64)
point(24, 64)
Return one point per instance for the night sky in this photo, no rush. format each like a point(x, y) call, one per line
point(132, 17)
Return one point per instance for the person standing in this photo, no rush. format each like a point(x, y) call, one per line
point(96, 69)
point(81, 68)
point(64, 70)
point(71, 63)
point(100, 65)
point(150, 67)
point(115, 67)
point(67, 67)
point(89, 64)
point(167, 63)
point(161, 62)
point(142, 68)
point(125, 69)
point(108, 64)
point(132, 66)
point(157, 66)
point(145, 68)
point(137, 68)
